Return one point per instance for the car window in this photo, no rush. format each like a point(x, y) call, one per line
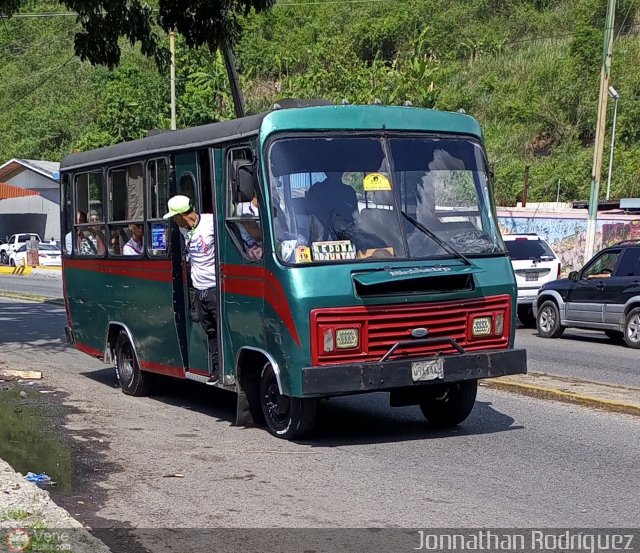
point(22, 248)
point(602, 266)
point(523, 248)
point(48, 247)
point(630, 263)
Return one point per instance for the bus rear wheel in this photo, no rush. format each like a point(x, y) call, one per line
point(133, 381)
point(447, 405)
point(286, 417)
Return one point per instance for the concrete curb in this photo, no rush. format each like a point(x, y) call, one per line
point(27, 510)
point(21, 270)
point(547, 392)
point(30, 297)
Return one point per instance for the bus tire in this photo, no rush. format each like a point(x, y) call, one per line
point(447, 405)
point(286, 417)
point(133, 381)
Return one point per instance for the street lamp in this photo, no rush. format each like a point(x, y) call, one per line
point(613, 93)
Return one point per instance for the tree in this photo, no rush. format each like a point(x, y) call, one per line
point(211, 23)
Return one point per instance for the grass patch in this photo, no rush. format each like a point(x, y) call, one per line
point(14, 514)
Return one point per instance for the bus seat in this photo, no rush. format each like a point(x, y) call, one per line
point(302, 216)
point(382, 223)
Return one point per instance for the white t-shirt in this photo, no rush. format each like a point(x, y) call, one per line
point(200, 243)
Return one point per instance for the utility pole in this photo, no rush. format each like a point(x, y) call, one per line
point(172, 49)
point(234, 81)
point(607, 53)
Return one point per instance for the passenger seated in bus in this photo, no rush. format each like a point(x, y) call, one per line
point(135, 245)
point(250, 231)
point(81, 218)
point(332, 206)
point(91, 242)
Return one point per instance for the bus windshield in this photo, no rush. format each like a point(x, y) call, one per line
point(365, 197)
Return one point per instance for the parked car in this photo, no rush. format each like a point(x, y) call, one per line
point(15, 242)
point(48, 254)
point(534, 264)
point(603, 295)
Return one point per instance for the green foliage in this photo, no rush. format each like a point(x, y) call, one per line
point(211, 24)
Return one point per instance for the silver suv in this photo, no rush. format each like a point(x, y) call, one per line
point(534, 264)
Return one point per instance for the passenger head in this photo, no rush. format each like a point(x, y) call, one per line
point(181, 211)
point(136, 231)
point(81, 217)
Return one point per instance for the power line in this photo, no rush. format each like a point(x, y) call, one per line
point(42, 82)
point(36, 15)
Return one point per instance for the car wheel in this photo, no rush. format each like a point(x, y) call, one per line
point(525, 314)
point(548, 322)
point(447, 405)
point(133, 381)
point(614, 335)
point(12, 262)
point(632, 328)
point(286, 417)
point(4, 258)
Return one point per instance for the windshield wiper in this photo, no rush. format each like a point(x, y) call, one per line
point(444, 245)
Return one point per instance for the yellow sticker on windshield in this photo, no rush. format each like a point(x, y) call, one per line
point(376, 181)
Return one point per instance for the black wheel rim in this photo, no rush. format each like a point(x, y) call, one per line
point(276, 405)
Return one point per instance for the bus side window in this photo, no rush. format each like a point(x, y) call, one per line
point(67, 216)
point(88, 238)
point(126, 211)
point(158, 195)
point(243, 209)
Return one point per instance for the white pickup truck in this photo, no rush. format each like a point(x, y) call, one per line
point(14, 243)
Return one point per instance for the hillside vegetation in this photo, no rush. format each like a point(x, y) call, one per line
point(527, 69)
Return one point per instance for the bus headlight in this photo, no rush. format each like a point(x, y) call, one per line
point(347, 338)
point(481, 326)
point(341, 338)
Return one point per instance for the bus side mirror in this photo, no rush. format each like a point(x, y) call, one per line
point(573, 275)
point(243, 181)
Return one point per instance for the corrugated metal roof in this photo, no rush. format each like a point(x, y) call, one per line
point(50, 167)
point(47, 169)
point(10, 191)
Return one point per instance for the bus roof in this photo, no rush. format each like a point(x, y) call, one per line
point(324, 117)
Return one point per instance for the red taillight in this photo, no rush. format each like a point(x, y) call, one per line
point(519, 239)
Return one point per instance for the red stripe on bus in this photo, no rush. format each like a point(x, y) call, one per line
point(160, 368)
point(159, 271)
point(84, 348)
point(258, 282)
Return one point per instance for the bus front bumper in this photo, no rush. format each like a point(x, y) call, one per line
point(369, 377)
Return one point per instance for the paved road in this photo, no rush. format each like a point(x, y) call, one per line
point(48, 284)
point(515, 462)
point(582, 354)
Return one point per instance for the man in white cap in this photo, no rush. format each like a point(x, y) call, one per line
point(200, 244)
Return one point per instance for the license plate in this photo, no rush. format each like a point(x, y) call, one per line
point(532, 276)
point(427, 370)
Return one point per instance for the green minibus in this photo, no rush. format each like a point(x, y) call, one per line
point(370, 261)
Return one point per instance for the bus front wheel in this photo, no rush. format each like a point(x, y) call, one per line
point(133, 381)
point(286, 417)
point(447, 405)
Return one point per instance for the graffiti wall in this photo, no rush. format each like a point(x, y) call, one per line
point(566, 232)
